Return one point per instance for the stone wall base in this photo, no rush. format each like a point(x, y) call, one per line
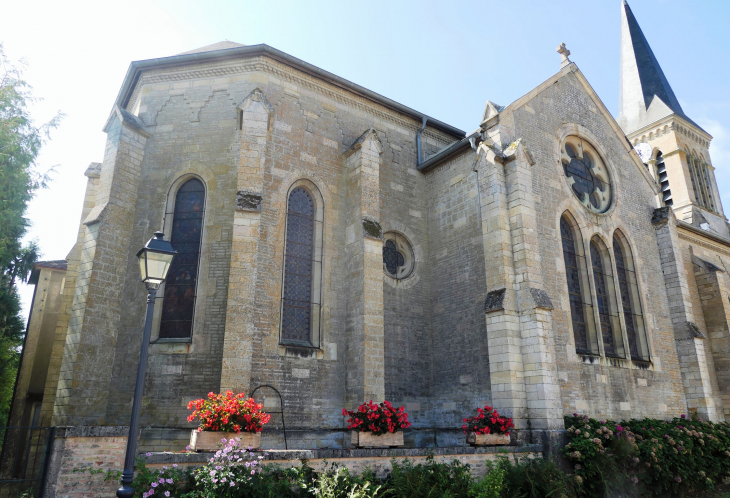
point(357, 460)
point(85, 447)
point(104, 448)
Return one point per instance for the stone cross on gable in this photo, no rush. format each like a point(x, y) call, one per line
point(564, 53)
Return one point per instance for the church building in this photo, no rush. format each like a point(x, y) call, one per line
point(341, 247)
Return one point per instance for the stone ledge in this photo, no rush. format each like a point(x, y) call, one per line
point(92, 431)
point(329, 454)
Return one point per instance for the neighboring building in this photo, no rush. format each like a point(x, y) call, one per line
point(342, 247)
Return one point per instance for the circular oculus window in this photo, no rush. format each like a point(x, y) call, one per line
point(398, 257)
point(586, 173)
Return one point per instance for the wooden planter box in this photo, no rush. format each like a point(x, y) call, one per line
point(369, 440)
point(475, 439)
point(211, 440)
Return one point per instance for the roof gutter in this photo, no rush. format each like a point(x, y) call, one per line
point(137, 67)
point(449, 152)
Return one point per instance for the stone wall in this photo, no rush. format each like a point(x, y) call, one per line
point(201, 126)
point(461, 378)
point(596, 386)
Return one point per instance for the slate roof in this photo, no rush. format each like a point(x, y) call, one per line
point(59, 264)
point(642, 80)
point(221, 45)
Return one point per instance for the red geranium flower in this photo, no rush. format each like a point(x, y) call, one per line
point(228, 412)
point(488, 421)
point(377, 418)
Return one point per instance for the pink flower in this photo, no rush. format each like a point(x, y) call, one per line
point(232, 484)
point(148, 454)
point(684, 416)
point(167, 493)
point(253, 472)
point(154, 485)
point(169, 481)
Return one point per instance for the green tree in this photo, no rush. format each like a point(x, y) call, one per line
point(20, 144)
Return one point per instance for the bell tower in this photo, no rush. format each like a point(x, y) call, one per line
point(675, 148)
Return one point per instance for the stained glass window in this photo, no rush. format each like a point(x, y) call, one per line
point(392, 258)
point(178, 304)
point(604, 306)
point(298, 264)
point(572, 270)
point(623, 285)
point(587, 174)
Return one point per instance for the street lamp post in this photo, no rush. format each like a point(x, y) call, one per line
point(155, 259)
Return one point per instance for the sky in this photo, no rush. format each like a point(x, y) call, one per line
point(445, 59)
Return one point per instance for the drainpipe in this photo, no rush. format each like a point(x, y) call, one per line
point(418, 141)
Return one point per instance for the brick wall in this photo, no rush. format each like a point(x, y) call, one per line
point(79, 448)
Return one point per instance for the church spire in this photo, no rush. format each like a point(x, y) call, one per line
point(645, 95)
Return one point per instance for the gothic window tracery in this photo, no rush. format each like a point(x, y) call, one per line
point(178, 303)
point(586, 174)
point(398, 257)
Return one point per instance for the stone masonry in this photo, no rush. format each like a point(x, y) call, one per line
point(483, 317)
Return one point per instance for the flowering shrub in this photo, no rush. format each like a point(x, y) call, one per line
point(232, 467)
point(487, 421)
point(377, 418)
point(228, 412)
point(167, 482)
point(661, 458)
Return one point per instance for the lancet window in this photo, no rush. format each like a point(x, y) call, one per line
point(578, 288)
point(630, 301)
point(606, 299)
point(301, 294)
point(178, 304)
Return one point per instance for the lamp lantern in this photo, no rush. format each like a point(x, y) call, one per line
point(155, 259)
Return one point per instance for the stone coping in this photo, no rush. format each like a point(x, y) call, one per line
point(166, 457)
point(92, 431)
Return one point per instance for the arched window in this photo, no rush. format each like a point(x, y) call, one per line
point(301, 294)
point(578, 287)
point(630, 302)
point(178, 304)
point(661, 170)
point(606, 299)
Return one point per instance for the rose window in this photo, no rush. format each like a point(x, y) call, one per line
point(398, 259)
point(586, 173)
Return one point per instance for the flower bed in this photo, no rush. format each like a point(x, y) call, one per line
point(661, 458)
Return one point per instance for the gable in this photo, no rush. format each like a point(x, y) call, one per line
point(575, 78)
